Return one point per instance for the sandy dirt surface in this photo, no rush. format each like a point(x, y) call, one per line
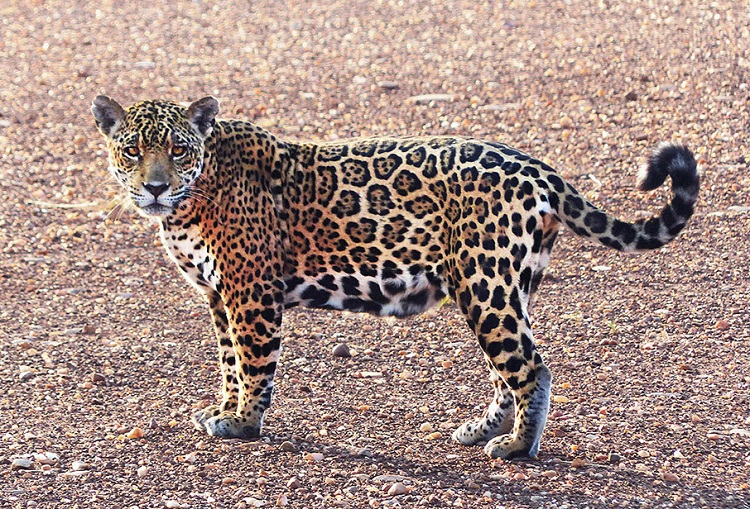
point(105, 351)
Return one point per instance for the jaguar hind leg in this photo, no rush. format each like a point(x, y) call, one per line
point(497, 420)
point(503, 329)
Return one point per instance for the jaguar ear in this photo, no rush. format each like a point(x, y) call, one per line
point(108, 115)
point(201, 115)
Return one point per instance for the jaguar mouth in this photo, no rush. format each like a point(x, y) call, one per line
point(157, 210)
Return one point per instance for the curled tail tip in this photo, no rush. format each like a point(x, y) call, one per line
point(669, 159)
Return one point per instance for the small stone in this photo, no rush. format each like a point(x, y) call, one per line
point(614, 458)
point(98, 378)
point(80, 466)
point(722, 325)
point(388, 85)
point(397, 488)
point(314, 457)
point(47, 458)
point(171, 504)
point(26, 376)
point(430, 98)
point(713, 436)
point(578, 463)
point(89, 329)
point(142, 471)
point(631, 96)
point(670, 477)
point(520, 476)
point(293, 483)
point(21, 464)
point(550, 474)
point(643, 454)
point(287, 446)
point(135, 433)
point(434, 436)
point(342, 350)
point(447, 364)
point(282, 501)
point(560, 399)
point(425, 427)
point(228, 480)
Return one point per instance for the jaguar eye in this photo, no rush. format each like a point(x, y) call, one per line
point(178, 151)
point(133, 152)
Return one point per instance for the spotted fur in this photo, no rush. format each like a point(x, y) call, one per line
point(386, 226)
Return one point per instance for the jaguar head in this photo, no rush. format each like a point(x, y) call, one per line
point(155, 148)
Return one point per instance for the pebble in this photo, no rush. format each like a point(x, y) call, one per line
point(26, 376)
point(397, 488)
point(314, 457)
point(713, 436)
point(560, 399)
point(293, 483)
point(425, 427)
point(670, 477)
point(21, 464)
point(47, 458)
point(98, 378)
point(550, 474)
point(722, 325)
point(135, 433)
point(171, 504)
point(429, 98)
point(434, 436)
point(80, 466)
point(282, 501)
point(142, 471)
point(341, 350)
point(631, 96)
point(287, 446)
point(580, 463)
point(388, 85)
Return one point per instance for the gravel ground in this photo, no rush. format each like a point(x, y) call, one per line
point(105, 351)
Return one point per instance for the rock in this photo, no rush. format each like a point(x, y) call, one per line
point(578, 463)
point(282, 501)
point(722, 325)
point(550, 474)
point(434, 436)
point(293, 483)
point(430, 98)
point(560, 399)
point(47, 458)
point(314, 457)
point(142, 471)
point(669, 477)
point(26, 376)
point(80, 466)
point(98, 378)
point(397, 488)
point(341, 350)
point(388, 85)
point(135, 433)
point(287, 446)
point(21, 464)
point(631, 96)
point(713, 436)
point(425, 427)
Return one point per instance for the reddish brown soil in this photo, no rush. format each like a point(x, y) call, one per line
point(99, 334)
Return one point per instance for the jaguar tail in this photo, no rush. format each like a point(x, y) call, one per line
point(675, 161)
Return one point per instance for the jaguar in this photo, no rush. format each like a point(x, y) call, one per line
point(388, 226)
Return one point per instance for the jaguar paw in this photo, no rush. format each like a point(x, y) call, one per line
point(230, 425)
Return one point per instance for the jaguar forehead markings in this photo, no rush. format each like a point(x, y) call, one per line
point(386, 226)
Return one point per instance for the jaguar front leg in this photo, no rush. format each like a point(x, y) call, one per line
point(227, 364)
point(254, 330)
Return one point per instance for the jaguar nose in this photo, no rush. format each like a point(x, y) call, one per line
point(156, 189)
